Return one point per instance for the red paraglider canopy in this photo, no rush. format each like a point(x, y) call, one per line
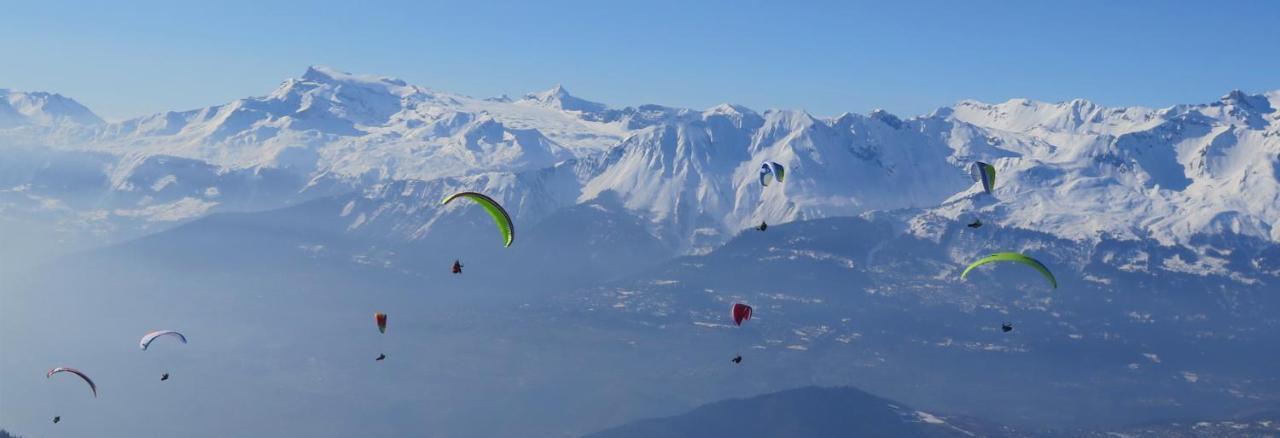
point(741, 312)
point(382, 321)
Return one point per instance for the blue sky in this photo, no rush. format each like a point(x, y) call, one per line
point(124, 59)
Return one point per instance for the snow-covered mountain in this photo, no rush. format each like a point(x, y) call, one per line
point(1072, 169)
point(695, 174)
point(327, 121)
point(559, 98)
point(1076, 169)
point(42, 109)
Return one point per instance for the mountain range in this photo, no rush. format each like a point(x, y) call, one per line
point(1073, 169)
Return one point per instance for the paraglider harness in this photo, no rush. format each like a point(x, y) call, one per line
point(976, 223)
point(1006, 327)
point(763, 226)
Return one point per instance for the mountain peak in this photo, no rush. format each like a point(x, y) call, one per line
point(886, 118)
point(1240, 99)
point(729, 108)
point(559, 98)
point(503, 98)
point(323, 73)
point(19, 108)
point(554, 93)
point(329, 75)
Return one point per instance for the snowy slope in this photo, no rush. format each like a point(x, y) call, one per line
point(1078, 170)
point(696, 174)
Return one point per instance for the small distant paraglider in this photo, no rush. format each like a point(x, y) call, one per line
point(381, 319)
point(771, 171)
point(499, 214)
point(1013, 257)
point(985, 174)
point(92, 386)
point(740, 312)
point(148, 338)
point(457, 267)
point(977, 223)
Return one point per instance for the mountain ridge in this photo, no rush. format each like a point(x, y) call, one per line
point(804, 412)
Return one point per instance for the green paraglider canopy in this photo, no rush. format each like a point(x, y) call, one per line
point(500, 216)
point(1013, 257)
point(985, 174)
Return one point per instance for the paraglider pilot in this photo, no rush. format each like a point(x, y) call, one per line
point(457, 267)
point(737, 359)
point(1006, 327)
point(763, 226)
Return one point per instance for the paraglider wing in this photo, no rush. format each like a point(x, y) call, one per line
point(500, 216)
point(771, 169)
point(741, 312)
point(147, 338)
point(57, 370)
point(985, 174)
point(381, 318)
point(1013, 257)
